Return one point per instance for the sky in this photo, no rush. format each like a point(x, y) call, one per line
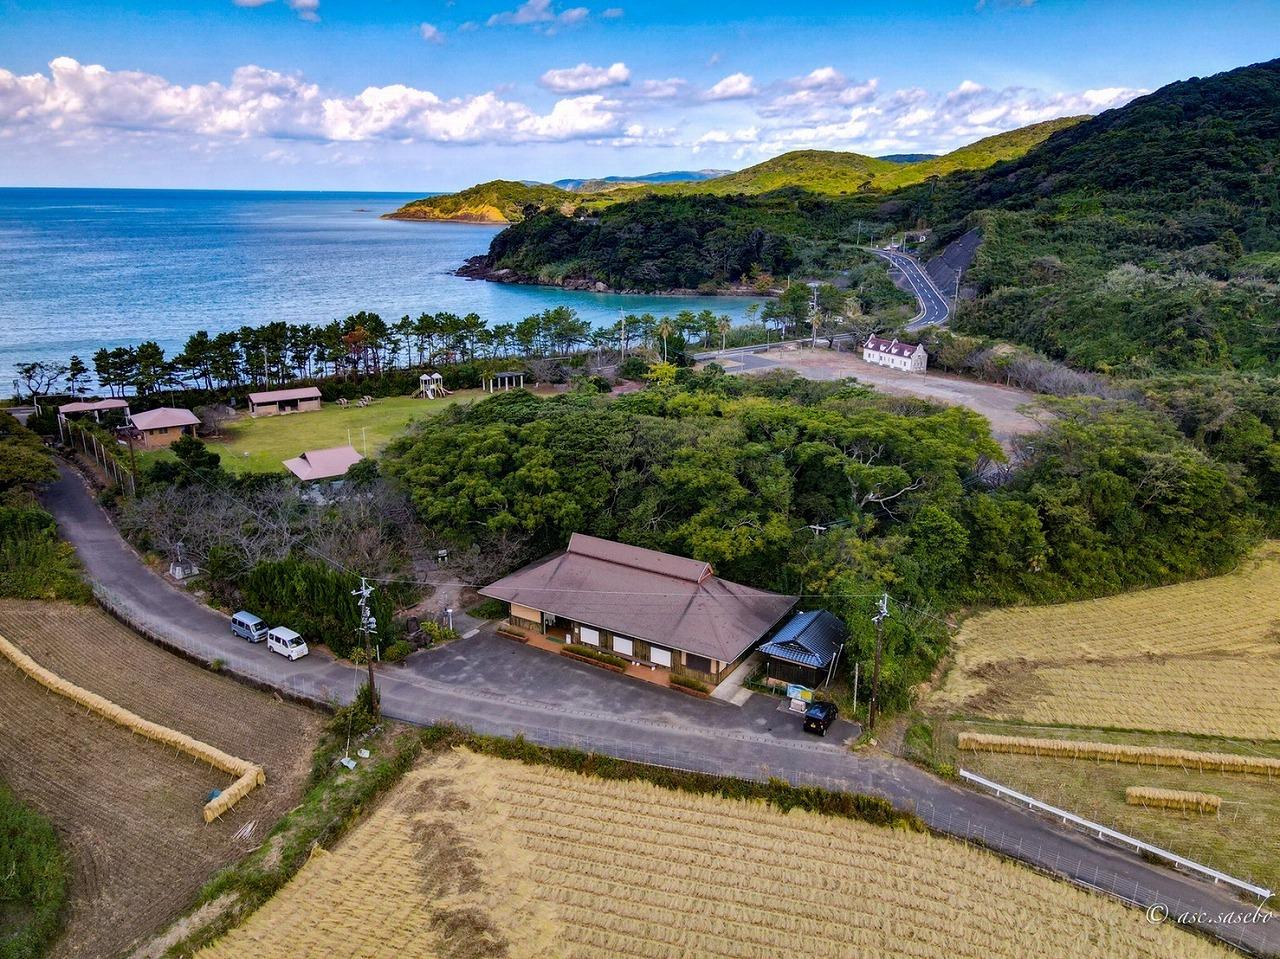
point(433, 95)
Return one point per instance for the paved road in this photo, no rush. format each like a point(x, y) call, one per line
point(935, 309)
point(583, 707)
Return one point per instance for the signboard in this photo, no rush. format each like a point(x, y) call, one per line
point(802, 693)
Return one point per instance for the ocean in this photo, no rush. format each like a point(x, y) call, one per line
point(82, 269)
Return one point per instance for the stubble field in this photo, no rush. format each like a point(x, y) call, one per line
point(127, 809)
point(1200, 657)
point(474, 856)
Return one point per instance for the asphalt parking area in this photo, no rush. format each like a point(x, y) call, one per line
point(503, 666)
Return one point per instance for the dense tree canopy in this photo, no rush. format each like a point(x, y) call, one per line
point(834, 492)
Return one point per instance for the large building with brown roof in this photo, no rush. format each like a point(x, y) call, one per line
point(651, 608)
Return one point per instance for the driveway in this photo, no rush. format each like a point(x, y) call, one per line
point(504, 667)
point(620, 720)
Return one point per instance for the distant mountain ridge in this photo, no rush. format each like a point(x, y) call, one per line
point(594, 184)
point(824, 172)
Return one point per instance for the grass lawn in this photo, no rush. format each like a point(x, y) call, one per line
point(260, 445)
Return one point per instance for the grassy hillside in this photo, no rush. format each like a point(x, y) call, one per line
point(823, 172)
point(981, 155)
point(497, 201)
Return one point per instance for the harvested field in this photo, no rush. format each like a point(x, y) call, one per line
point(474, 856)
point(129, 810)
point(1201, 657)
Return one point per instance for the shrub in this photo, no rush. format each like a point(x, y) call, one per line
point(34, 563)
point(35, 879)
point(489, 609)
point(397, 651)
point(633, 368)
point(599, 655)
point(437, 634)
point(689, 682)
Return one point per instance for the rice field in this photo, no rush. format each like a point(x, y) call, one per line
point(1200, 657)
point(473, 856)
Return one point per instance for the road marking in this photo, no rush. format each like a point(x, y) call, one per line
point(470, 633)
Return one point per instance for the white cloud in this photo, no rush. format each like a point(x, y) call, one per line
point(736, 86)
point(305, 9)
point(668, 89)
point(77, 101)
point(824, 110)
point(612, 13)
point(541, 13)
point(585, 78)
point(431, 33)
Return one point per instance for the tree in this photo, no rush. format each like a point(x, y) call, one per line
point(723, 326)
point(150, 371)
point(76, 372)
point(664, 329)
point(40, 377)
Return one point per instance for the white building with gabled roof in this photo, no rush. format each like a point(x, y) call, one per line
point(908, 357)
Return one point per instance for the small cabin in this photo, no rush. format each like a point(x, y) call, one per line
point(326, 464)
point(804, 650)
point(163, 426)
point(302, 399)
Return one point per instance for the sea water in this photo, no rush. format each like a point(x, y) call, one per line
point(82, 269)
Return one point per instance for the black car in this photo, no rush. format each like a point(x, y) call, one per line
point(819, 717)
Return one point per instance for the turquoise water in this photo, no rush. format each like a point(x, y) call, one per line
point(83, 269)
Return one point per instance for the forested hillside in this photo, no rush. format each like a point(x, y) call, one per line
point(1144, 238)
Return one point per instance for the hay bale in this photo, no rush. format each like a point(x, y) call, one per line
point(1120, 753)
point(1184, 801)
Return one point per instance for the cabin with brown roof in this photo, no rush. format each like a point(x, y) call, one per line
point(652, 609)
point(163, 426)
point(301, 399)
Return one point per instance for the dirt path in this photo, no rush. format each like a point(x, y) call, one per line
point(1009, 410)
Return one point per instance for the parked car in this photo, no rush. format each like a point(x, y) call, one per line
point(286, 642)
point(819, 717)
point(247, 626)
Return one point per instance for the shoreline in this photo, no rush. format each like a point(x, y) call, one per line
point(475, 268)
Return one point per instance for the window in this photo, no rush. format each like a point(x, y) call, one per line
point(699, 664)
point(660, 656)
point(622, 645)
point(589, 636)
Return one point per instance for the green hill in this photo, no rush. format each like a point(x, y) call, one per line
point(1130, 242)
point(498, 201)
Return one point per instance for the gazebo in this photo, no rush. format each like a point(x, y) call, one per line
point(431, 385)
point(513, 380)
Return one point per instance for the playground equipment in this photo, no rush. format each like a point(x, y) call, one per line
point(431, 386)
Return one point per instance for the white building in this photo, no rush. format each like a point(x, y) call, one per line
point(909, 357)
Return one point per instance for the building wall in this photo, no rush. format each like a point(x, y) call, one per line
point(273, 409)
point(165, 436)
point(526, 616)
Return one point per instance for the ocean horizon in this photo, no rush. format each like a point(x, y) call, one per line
point(86, 268)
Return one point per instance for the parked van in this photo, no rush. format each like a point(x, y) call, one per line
point(286, 642)
point(250, 627)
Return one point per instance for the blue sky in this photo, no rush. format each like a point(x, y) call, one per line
point(400, 95)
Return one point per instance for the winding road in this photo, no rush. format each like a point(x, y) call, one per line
point(934, 308)
point(500, 687)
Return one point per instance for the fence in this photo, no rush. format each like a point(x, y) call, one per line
point(1103, 832)
point(78, 437)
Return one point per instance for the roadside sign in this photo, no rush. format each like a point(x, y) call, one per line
point(796, 691)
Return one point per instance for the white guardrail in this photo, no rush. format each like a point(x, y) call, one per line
point(1103, 832)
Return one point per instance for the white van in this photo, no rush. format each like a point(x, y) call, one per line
point(286, 642)
point(250, 627)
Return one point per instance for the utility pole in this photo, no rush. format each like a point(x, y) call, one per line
point(368, 628)
point(882, 612)
point(622, 338)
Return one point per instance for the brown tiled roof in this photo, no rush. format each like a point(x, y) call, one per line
point(892, 347)
point(163, 417)
point(644, 594)
point(328, 463)
point(277, 396)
